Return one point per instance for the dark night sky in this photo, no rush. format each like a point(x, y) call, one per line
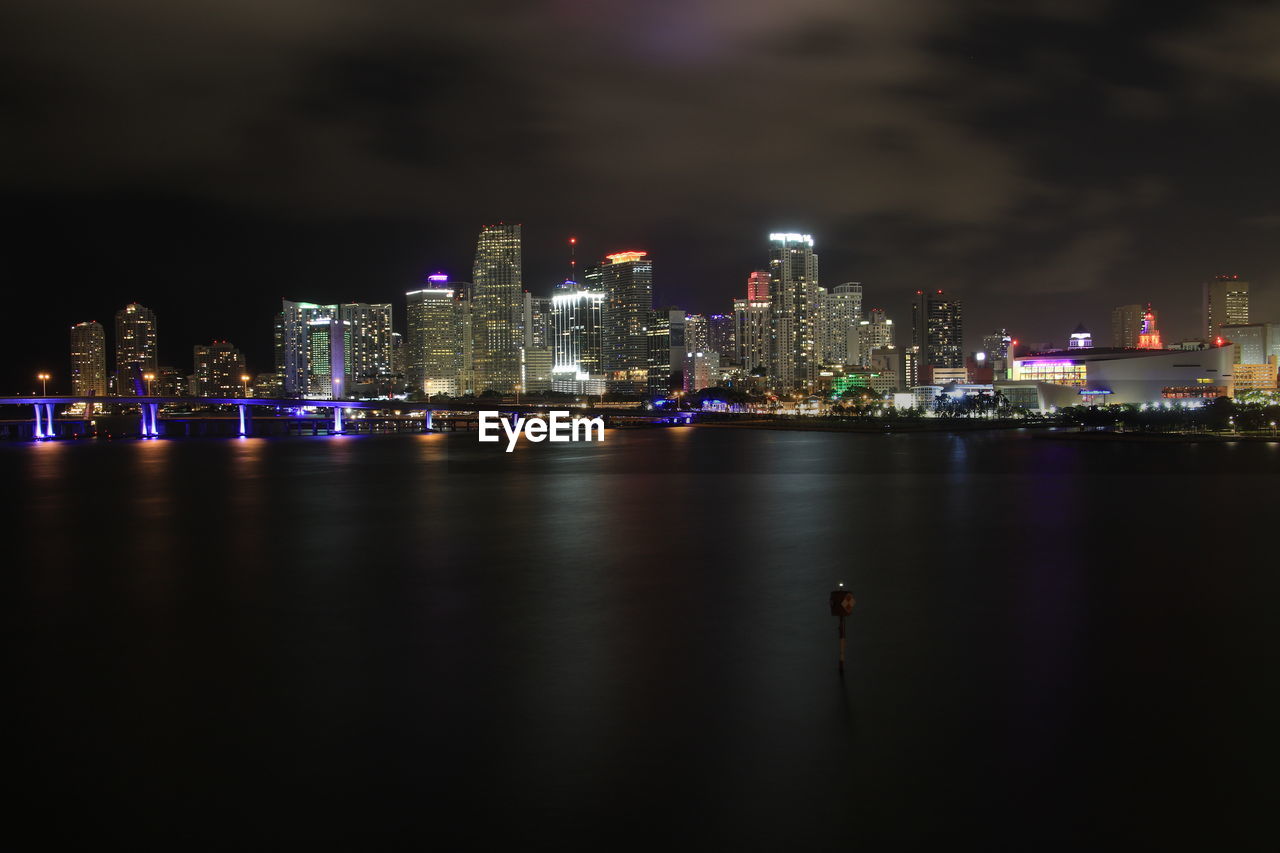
point(1043, 160)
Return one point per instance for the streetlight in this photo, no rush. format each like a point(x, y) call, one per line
point(44, 383)
point(244, 377)
point(149, 377)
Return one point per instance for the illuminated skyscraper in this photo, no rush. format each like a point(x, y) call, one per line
point(937, 328)
point(793, 291)
point(370, 354)
point(88, 360)
point(876, 332)
point(218, 368)
point(628, 290)
point(758, 286)
point(753, 333)
point(434, 315)
point(498, 308)
point(1126, 325)
point(722, 337)
point(697, 336)
point(537, 316)
point(841, 318)
point(328, 342)
point(1226, 302)
point(577, 324)
point(135, 348)
point(296, 320)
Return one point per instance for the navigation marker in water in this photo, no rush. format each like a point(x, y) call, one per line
point(841, 605)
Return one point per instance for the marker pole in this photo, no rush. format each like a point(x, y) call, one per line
point(842, 645)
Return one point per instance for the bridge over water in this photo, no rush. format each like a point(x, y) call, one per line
point(149, 407)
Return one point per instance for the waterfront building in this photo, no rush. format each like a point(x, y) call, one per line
point(295, 320)
point(136, 352)
point(696, 335)
point(722, 337)
point(937, 328)
point(536, 365)
point(577, 321)
point(1225, 303)
point(88, 360)
point(537, 317)
point(752, 333)
point(1249, 341)
point(433, 358)
point(369, 357)
point(1255, 377)
point(218, 368)
point(627, 278)
point(758, 286)
point(498, 308)
point(701, 370)
point(841, 324)
point(328, 342)
point(876, 332)
point(793, 291)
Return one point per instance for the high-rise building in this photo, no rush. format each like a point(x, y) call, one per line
point(701, 370)
point(1126, 325)
point(328, 342)
point(218, 368)
point(136, 353)
point(537, 316)
point(876, 332)
point(753, 333)
point(295, 323)
point(577, 331)
point(997, 344)
point(697, 336)
point(758, 286)
point(841, 318)
point(277, 340)
point(497, 322)
point(628, 289)
point(1249, 339)
point(937, 328)
point(88, 360)
point(433, 314)
point(793, 291)
point(370, 353)
point(722, 336)
point(1226, 302)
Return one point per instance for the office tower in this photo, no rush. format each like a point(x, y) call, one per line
point(278, 342)
point(1080, 338)
point(876, 332)
point(841, 318)
point(1126, 325)
point(911, 364)
point(661, 378)
point(434, 345)
point(1226, 302)
point(937, 328)
point(1251, 341)
point(758, 286)
point(628, 291)
point(793, 291)
point(997, 344)
point(1149, 337)
point(577, 333)
point(135, 348)
point(370, 353)
point(397, 354)
point(701, 370)
point(753, 334)
point(498, 308)
point(537, 314)
point(722, 336)
point(697, 335)
point(295, 323)
point(535, 369)
point(88, 360)
point(328, 342)
point(218, 368)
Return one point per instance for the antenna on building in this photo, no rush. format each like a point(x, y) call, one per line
point(573, 259)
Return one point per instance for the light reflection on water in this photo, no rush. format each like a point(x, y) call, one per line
point(407, 629)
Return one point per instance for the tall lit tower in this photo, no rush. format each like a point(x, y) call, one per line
point(1126, 325)
point(88, 360)
point(1149, 338)
point(498, 308)
point(841, 316)
point(135, 347)
point(296, 321)
point(435, 346)
point(627, 278)
point(937, 328)
point(793, 291)
point(1226, 303)
point(370, 324)
point(758, 286)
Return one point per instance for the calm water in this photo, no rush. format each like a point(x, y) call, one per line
point(354, 639)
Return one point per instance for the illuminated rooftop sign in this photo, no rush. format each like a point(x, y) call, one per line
point(791, 238)
point(624, 257)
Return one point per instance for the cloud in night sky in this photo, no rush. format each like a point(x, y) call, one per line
point(1082, 153)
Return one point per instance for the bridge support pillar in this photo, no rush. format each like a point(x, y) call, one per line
point(244, 424)
point(515, 416)
point(337, 419)
point(426, 425)
point(146, 427)
point(49, 431)
point(39, 423)
point(155, 418)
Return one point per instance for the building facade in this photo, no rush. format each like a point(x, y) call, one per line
point(88, 360)
point(497, 310)
point(433, 346)
point(937, 328)
point(627, 278)
point(219, 367)
point(136, 352)
point(1226, 303)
